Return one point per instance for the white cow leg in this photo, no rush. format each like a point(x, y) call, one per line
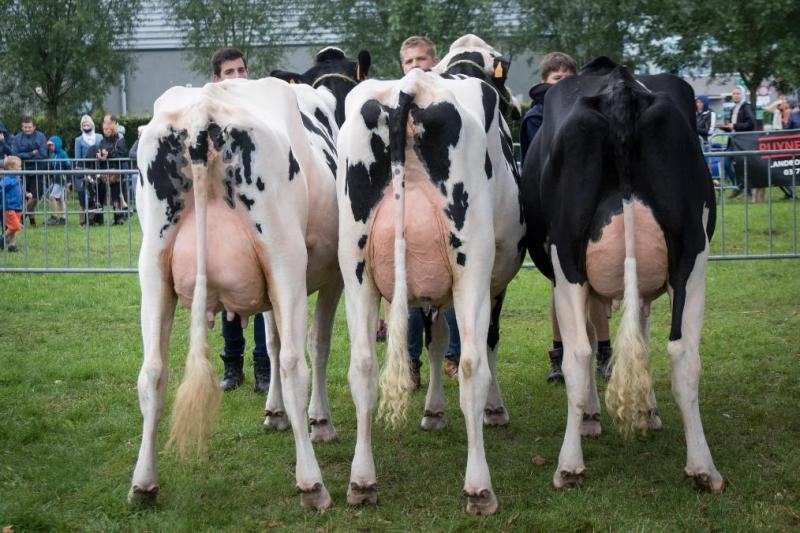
point(291, 317)
point(472, 312)
point(158, 308)
point(571, 309)
point(319, 346)
point(362, 321)
point(274, 411)
point(684, 356)
point(434, 417)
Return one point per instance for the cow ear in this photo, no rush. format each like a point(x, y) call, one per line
point(364, 62)
point(329, 53)
point(500, 68)
point(288, 77)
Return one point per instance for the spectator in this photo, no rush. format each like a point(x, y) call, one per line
point(12, 203)
point(31, 147)
point(56, 192)
point(88, 139)
point(553, 68)
point(230, 63)
point(742, 119)
point(706, 119)
point(111, 147)
point(420, 52)
point(132, 155)
point(5, 142)
point(780, 112)
point(793, 122)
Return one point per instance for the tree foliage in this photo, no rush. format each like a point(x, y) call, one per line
point(61, 56)
point(380, 26)
point(252, 26)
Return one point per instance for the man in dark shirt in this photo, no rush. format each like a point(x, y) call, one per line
point(742, 119)
point(30, 146)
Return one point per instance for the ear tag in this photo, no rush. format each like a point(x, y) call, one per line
point(498, 70)
point(358, 71)
point(292, 81)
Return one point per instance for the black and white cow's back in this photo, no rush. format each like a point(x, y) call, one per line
point(618, 202)
point(429, 215)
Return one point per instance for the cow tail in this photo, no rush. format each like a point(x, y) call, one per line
point(395, 380)
point(629, 395)
point(198, 399)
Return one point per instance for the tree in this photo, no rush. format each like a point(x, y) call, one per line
point(63, 54)
point(252, 26)
point(381, 26)
point(584, 29)
point(756, 40)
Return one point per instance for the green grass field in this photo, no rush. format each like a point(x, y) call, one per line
point(70, 349)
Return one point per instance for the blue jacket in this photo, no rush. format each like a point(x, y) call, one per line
point(82, 147)
point(12, 192)
point(24, 145)
point(532, 120)
point(59, 160)
point(794, 120)
point(5, 144)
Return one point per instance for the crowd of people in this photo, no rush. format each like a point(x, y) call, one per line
point(93, 152)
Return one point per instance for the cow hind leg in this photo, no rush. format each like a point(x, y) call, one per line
point(158, 307)
point(319, 346)
point(590, 423)
point(274, 411)
point(653, 420)
point(495, 413)
point(570, 303)
point(684, 356)
point(434, 417)
point(361, 304)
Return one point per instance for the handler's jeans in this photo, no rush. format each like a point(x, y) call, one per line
point(233, 336)
point(416, 326)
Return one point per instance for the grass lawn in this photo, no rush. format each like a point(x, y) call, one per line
point(70, 351)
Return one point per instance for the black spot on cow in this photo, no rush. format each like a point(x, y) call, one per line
point(493, 336)
point(508, 153)
point(468, 63)
point(323, 119)
point(228, 184)
point(360, 271)
point(260, 183)
point(487, 166)
point(294, 168)
point(237, 174)
point(198, 150)
point(227, 155)
point(489, 101)
point(141, 180)
point(309, 125)
point(443, 189)
point(457, 209)
point(240, 141)
point(371, 113)
point(365, 185)
point(215, 135)
point(441, 129)
point(258, 228)
point(455, 242)
point(362, 242)
point(248, 202)
point(165, 175)
point(461, 259)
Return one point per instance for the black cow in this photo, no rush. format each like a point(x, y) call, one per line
point(618, 202)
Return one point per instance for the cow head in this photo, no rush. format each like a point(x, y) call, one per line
point(470, 55)
point(333, 70)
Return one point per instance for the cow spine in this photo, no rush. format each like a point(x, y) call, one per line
point(198, 399)
point(395, 380)
point(629, 396)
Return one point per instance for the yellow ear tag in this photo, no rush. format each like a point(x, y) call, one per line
point(358, 71)
point(498, 71)
point(292, 81)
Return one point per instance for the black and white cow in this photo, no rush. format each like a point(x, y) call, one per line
point(619, 203)
point(429, 215)
point(237, 205)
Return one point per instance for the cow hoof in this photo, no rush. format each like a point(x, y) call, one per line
point(276, 420)
point(481, 502)
point(495, 417)
point(322, 430)
point(362, 494)
point(654, 422)
point(568, 478)
point(705, 481)
point(139, 496)
point(315, 497)
point(590, 425)
point(434, 421)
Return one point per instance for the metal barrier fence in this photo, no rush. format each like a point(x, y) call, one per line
point(93, 229)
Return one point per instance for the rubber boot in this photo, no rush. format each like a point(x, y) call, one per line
point(555, 375)
point(261, 372)
point(233, 375)
point(604, 365)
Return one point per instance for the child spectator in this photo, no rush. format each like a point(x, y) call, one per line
point(59, 160)
point(12, 203)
